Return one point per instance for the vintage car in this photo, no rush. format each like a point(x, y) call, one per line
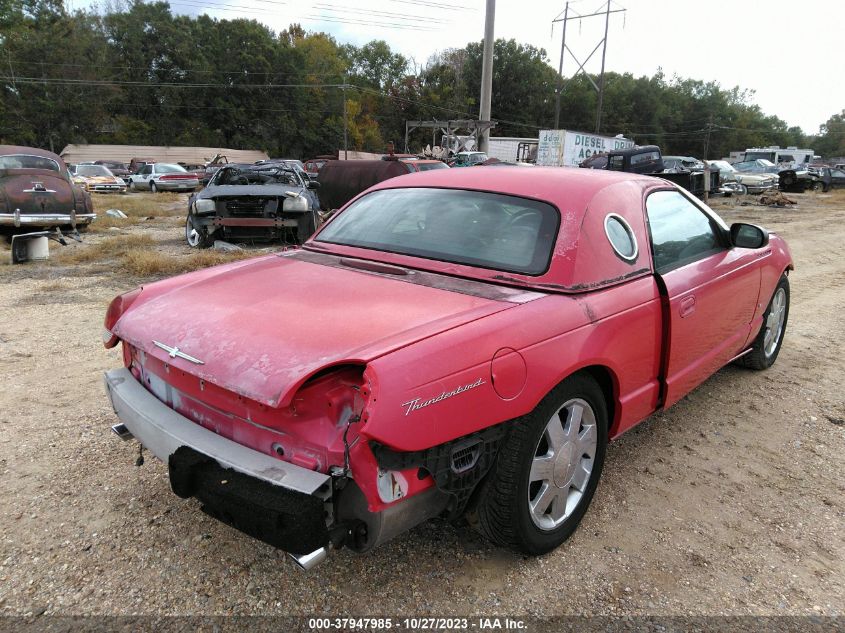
point(36, 191)
point(97, 179)
point(261, 202)
point(458, 342)
point(756, 166)
point(748, 182)
point(157, 177)
point(682, 163)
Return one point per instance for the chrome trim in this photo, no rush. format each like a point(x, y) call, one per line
point(628, 230)
point(174, 352)
point(45, 219)
point(162, 430)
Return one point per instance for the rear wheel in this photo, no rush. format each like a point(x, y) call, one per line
point(766, 347)
point(547, 470)
point(818, 186)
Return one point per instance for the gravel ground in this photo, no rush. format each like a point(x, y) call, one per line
point(731, 502)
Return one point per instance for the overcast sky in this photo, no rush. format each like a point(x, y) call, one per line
point(789, 52)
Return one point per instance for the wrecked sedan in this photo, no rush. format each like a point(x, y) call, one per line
point(262, 202)
point(36, 191)
point(453, 342)
point(97, 179)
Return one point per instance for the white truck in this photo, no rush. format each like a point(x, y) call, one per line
point(565, 148)
point(785, 158)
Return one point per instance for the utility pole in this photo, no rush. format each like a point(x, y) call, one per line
point(571, 14)
point(601, 77)
point(345, 138)
point(560, 68)
point(487, 74)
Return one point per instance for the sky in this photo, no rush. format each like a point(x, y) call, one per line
point(773, 47)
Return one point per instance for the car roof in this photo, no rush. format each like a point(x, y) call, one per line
point(5, 150)
point(583, 256)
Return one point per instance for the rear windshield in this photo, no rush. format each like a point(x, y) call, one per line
point(164, 168)
point(475, 228)
point(25, 161)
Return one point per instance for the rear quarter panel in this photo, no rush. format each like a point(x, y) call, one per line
point(617, 328)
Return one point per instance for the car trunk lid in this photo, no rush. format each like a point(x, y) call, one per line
point(261, 329)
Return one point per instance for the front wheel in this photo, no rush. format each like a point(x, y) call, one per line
point(743, 190)
point(818, 186)
point(153, 187)
point(196, 236)
point(766, 347)
point(547, 470)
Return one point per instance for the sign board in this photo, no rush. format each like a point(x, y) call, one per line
point(562, 148)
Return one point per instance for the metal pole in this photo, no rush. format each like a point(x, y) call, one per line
point(560, 68)
point(345, 138)
point(601, 77)
point(487, 73)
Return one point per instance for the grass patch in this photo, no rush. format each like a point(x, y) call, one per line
point(140, 205)
point(137, 255)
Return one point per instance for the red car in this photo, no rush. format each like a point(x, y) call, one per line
point(452, 342)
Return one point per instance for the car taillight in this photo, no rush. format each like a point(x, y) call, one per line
point(119, 305)
point(176, 177)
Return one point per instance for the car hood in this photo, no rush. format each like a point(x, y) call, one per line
point(100, 180)
point(262, 328)
point(264, 191)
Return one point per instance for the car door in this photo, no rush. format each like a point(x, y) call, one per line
point(710, 289)
point(143, 177)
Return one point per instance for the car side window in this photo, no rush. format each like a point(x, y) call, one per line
point(681, 233)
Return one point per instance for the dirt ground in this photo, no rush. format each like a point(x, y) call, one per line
point(731, 502)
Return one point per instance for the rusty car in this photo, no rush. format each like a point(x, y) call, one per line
point(36, 191)
point(97, 179)
point(455, 343)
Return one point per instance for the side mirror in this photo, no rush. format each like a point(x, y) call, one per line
point(313, 184)
point(748, 235)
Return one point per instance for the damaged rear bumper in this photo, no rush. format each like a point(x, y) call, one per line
point(282, 504)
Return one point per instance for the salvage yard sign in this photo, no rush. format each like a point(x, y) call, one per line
point(562, 148)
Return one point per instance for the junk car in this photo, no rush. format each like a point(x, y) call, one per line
point(36, 190)
point(97, 179)
point(260, 202)
point(157, 177)
point(458, 342)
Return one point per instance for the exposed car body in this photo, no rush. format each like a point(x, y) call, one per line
point(98, 179)
point(267, 201)
point(682, 163)
point(163, 177)
point(750, 182)
point(808, 178)
point(36, 190)
point(313, 166)
point(451, 340)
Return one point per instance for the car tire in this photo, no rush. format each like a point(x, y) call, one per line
point(743, 190)
point(153, 187)
point(196, 237)
point(131, 185)
point(818, 186)
point(546, 471)
point(767, 344)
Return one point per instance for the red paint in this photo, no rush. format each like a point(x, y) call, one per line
point(381, 346)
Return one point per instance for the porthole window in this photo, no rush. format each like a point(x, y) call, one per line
point(621, 237)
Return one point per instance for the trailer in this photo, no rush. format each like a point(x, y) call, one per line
point(507, 148)
point(566, 148)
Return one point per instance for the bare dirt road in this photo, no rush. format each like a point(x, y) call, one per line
point(732, 502)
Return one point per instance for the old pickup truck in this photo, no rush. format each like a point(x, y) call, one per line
point(454, 342)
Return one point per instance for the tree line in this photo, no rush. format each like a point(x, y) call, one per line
point(137, 73)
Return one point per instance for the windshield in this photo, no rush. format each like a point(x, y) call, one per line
point(275, 175)
point(480, 229)
point(164, 168)
point(25, 161)
point(722, 165)
point(92, 170)
point(472, 159)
